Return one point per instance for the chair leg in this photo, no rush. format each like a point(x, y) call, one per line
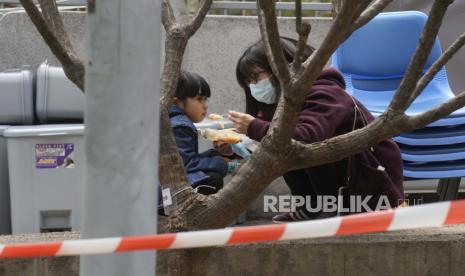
point(448, 188)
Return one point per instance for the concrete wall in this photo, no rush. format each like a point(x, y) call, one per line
point(21, 44)
point(436, 251)
point(212, 52)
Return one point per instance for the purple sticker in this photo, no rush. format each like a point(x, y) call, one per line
point(52, 156)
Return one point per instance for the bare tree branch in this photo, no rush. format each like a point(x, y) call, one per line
point(339, 31)
point(271, 159)
point(265, 165)
point(370, 135)
point(301, 44)
point(167, 15)
point(171, 165)
point(175, 45)
point(194, 24)
point(434, 114)
point(437, 65)
point(55, 22)
point(220, 209)
point(285, 117)
point(370, 13)
point(303, 30)
point(270, 36)
point(337, 148)
point(278, 154)
point(72, 65)
point(171, 168)
point(336, 7)
point(384, 127)
point(298, 16)
point(401, 98)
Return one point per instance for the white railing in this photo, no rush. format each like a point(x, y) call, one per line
point(282, 6)
point(224, 6)
point(59, 2)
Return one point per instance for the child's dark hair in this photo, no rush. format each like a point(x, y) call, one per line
point(254, 56)
point(191, 85)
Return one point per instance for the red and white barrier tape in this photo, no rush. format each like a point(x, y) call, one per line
point(428, 215)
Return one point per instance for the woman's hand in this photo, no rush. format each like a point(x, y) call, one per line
point(241, 121)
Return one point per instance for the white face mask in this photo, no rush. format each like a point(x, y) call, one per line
point(264, 91)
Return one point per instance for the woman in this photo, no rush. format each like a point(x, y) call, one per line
point(327, 111)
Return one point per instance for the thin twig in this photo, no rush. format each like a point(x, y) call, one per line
point(428, 36)
point(437, 113)
point(195, 23)
point(298, 16)
point(339, 31)
point(167, 15)
point(370, 13)
point(303, 30)
point(55, 22)
point(270, 37)
point(437, 65)
point(336, 7)
point(72, 65)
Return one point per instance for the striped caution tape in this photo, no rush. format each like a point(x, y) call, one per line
point(428, 215)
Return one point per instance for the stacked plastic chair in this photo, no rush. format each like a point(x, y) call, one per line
point(373, 61)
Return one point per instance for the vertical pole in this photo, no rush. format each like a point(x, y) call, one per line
point(121, 135)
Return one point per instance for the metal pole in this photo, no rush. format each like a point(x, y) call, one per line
point(121, 135)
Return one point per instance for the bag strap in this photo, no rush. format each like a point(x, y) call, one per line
point(365, 122)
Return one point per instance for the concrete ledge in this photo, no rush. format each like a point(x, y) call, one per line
point(434, 251)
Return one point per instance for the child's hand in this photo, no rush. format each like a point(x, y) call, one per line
point(241, 121)
point(234, 167)
point(223, 148)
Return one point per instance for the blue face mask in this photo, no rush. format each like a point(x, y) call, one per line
point(264, 91)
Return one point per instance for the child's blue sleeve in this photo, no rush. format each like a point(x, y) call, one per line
point(208, 153)
point(186, 139)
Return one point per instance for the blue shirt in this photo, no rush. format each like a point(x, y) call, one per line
point(195, 163)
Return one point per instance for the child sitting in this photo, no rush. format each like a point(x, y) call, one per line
point(205, 171)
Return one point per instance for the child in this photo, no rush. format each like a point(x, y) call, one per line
point(205, 171)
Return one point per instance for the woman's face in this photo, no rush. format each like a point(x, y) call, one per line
point(257, 75)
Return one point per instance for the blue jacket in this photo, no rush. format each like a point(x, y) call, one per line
point(195, 163)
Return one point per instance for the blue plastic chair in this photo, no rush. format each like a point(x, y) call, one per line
point(432, 153)
point(373, 62)
point(436, 170)
point(427, 136)
point(374, 59)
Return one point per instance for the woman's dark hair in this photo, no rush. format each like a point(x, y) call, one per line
point(191, 85)
point(253, 57)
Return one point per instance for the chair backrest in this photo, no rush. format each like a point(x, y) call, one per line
point(382, 49)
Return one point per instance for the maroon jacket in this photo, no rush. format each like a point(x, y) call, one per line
point(328, 111)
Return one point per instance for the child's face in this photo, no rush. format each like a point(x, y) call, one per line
point(196, 107)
